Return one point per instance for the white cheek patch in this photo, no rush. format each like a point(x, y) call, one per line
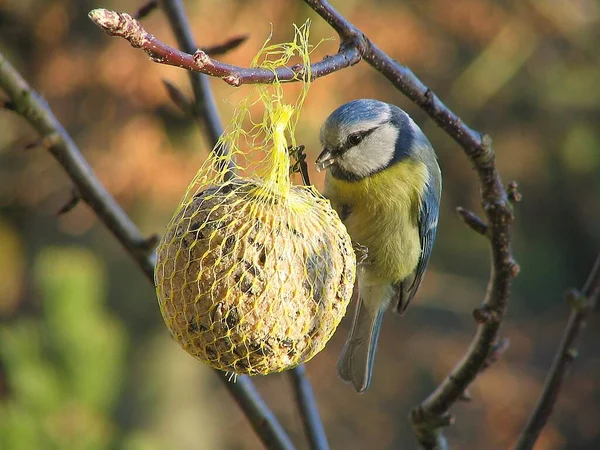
point(373, 154)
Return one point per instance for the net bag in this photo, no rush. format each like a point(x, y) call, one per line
point(254, 273)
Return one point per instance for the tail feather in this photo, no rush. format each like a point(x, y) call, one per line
point(356, 362)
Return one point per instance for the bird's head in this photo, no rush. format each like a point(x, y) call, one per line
point(365, 136)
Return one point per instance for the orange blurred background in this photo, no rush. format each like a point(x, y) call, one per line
point(73, 305)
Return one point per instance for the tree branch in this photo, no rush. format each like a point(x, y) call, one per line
point(34, 109)
point(179, 99)
point(146, 9)
point(582, 305)
point(472, 220)
point(205, 107)
point(225, 47)
point(313, 427)
point(123, 25)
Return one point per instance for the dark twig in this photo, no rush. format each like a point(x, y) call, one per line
point(179, 98)
point(205, 108)
point(35, 110)
point(225, 47)
point(313, 427)
point(304, 168)
point(472, 220)
point(299, 164)
point(263, 421)
point(32, 144)
point(23, 145)
point(582, 306)
point(71, 203)
point(123, 25)
point(146, 9)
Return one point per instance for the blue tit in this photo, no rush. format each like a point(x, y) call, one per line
point(384, 181)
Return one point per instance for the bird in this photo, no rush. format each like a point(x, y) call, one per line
point(383, 179)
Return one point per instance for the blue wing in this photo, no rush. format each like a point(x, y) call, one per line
point(427, 222)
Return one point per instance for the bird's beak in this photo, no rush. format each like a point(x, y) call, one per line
point(325, 160)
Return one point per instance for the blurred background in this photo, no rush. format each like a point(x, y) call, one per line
point(85, 360)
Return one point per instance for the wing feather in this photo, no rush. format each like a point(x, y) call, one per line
point(427, 222)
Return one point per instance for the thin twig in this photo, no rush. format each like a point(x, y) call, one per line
point(179, 98)
point(70, 204)
point(146, 9)
point(225, 47)
point(264, 422)
point(299, 164)
point(313, 427)
point(472, 220)
point(35, 110)
point(205, 108)
point(123, 25)
point(582, 306)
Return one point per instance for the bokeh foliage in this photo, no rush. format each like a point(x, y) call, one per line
point(64, 365)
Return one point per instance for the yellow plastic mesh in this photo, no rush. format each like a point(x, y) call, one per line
point(254, 273)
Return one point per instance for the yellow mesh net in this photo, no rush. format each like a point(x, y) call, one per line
point(254, 273)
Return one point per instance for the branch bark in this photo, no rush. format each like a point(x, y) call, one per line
point(35, 110)
point(582, 305)
point(313, 427)
point(195, 60)
point(205, 107)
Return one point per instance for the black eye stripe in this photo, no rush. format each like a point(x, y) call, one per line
point(356, 138)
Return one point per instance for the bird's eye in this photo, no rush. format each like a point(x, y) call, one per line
point(355, 139)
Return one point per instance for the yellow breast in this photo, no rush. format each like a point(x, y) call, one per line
point(384, 213)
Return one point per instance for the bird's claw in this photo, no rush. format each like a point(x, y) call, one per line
point(361, 252)
point(299, 162)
